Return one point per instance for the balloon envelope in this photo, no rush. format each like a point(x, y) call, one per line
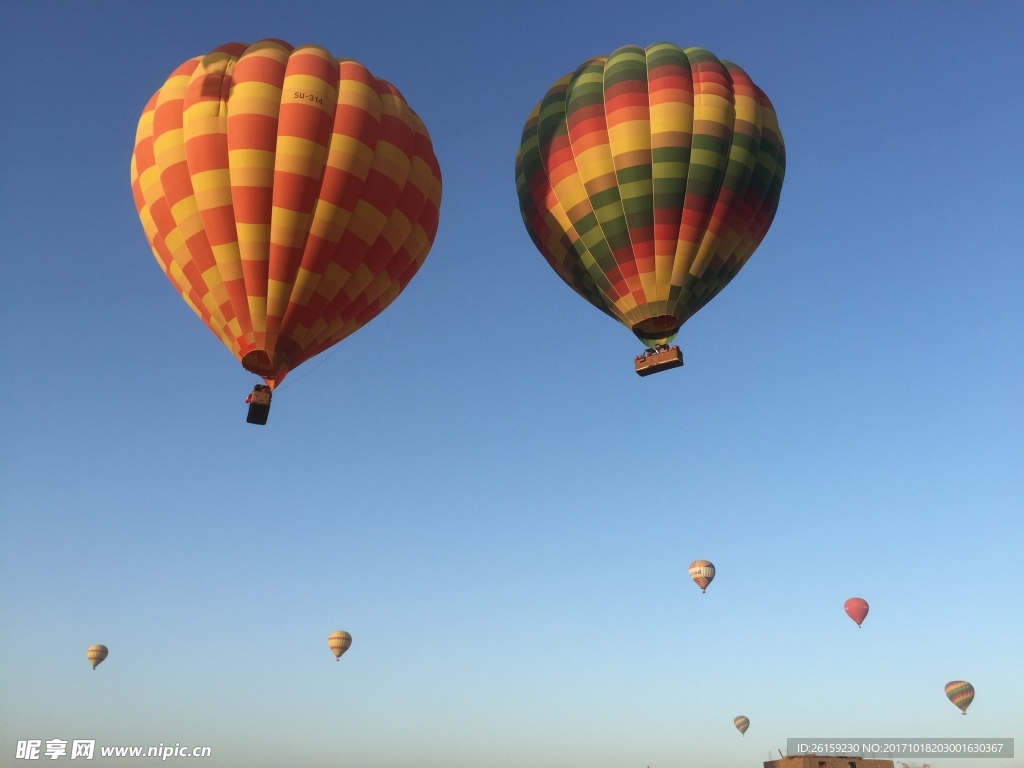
point(339, 642)
point(647, 179)
point(96, 654)
point(857, 609)
point(961, 693)
point(741, 724)
point(287, 195)
point(702, 572)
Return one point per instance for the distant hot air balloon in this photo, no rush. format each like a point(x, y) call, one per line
point(339, 642)
point(741, 724)
point(857, 609)
point(702, 572)
point(646, 179)
point(961, 693)
point(96, 654)
point(287, 195)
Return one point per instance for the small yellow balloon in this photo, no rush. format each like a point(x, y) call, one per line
point(96, 654)
point(339, 642)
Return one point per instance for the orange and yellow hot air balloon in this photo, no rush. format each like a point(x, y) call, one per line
point(289, 197)
point(741, 723)
point(339, 642)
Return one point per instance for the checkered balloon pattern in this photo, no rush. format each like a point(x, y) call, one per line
point(288, 196)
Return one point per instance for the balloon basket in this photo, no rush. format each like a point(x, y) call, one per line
point(660, 359)
point(259, 404)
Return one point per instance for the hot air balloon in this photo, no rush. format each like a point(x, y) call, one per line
point(961, 693)
point(857, 609)
point(96, 654)
point(702, 572)
point(339, 642)
point(741, 723)
point(646, 179)
point(287, 195)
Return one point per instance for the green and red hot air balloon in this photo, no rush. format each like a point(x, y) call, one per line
point(646, 179)
point(961, 693)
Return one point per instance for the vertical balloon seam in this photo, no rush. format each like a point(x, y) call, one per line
point(143, 166)
point(340, 316)
point(349, 250)
point(677, 283)
point(525, 173)
point(403, 257)
point(342, 180)
point(400, 221)
point(585, 221)
point(393, 247)
point(175, 217)
point(581, 214)
point(205, 135)
point(253, 121)
point(528, 171)
point(734, 252)
point(584, 91)
point(308, 103)
point(671, 145)
point(571, 266)
point(619, 60)
point(771, 161)
point(706, 249)
point(554, 99)
point(354, 158)
point(705, 175)
point(158, 208)
point(735, 181)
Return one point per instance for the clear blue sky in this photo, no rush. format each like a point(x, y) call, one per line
point(476, 485)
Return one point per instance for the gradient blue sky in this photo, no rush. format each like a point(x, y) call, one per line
point(476, 485)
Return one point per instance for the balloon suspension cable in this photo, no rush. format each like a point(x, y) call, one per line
point(323, 359)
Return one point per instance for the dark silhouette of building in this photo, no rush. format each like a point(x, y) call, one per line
point(826, 761)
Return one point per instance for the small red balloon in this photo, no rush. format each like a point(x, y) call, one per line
point(856, 609)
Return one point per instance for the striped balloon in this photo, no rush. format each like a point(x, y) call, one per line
point(647, 179)
point(741, 723)
point(702, 572)
point(339, 642)
point(961, 693)
point(288, 196)
point(96, 654)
